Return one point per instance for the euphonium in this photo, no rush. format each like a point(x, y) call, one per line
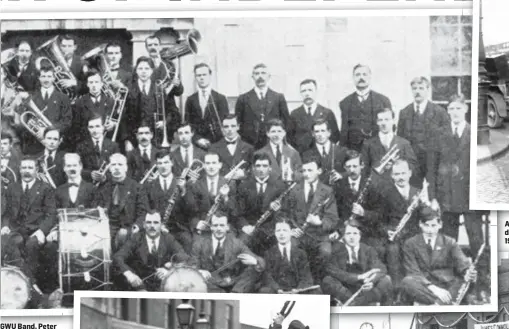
point(152, 171)
point(98, 56)
point(6, 56)
point(56, 59)
point(37, 122)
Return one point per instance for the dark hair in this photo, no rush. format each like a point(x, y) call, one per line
point(48, 129)
point(68, 37)
point(306, 81)
point(320, 121)
point(220, 214)
point(185, 124)
point(153, 36)
point(162, 153)
point(358, 66)
point(29, 43)
point(6, 136)
point(230, 116)
point(145, 59)
point(310, 157)
point(95, 117)
point(457, 98)
point(259, 65)
point(112, 44)
point(200, 65)
point(428, 214)
point(92, 72)
point(283, 219)
point(45, 68)
point(420, 80)
point(145, 124)
point(386, 109)
point(261, 156)
point(353, 223)
point(274, 123)
point(353, 154)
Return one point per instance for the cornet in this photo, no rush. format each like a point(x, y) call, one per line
point(34, 120)
point(389, 157)
point(44, 174)
point(150, 173)
point(102, 171)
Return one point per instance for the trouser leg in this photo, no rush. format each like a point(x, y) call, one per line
point(415, 288)
point(248, 282)
point(336, 289)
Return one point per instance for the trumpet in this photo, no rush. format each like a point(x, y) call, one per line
point(56, 59)
point(34, 120)
point(151, 172)
point(44, 174)
point(116, 112)
point(102, 171)
point(391, 156)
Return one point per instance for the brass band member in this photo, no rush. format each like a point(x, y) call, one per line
point(186, 152)
point(10, 99)
point(21, 69)
point(305, 115)
point(259, 105)
point(435, 264)
point(119, 76)
point(143, 157)
point(52, 157)
point(421, 124)
point(211, 252)
point(205, 109)
point(148, 252)
point(10, 157)
point(358, 120)
point(354, 265)
point(68, 46)
point(125, 200)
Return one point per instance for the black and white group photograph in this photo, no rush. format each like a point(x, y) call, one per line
point(309, 154)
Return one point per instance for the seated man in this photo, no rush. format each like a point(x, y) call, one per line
point(145, 258)
point(353, 266)
point(224, 261)
point(287, 265)
point(434, 263)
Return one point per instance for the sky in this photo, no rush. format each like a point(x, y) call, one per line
point(379, 321)
point(258, 310)
point(495, 23)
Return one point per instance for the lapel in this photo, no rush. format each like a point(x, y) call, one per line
point(208, 249)
point(299, 191)
point(33, 193)
point(267, 149)
point(429, 114)
point(239, 150)
point(269, 191)
point(178, 157)
point(422, 247)
point(161, 249)
point(144, 249)
point(361, 257)
point(81, 192)
point(126, 196)
point(438, 250)
point(252, 99)
point(465, 138)
point(319, 113)
point(228, 249)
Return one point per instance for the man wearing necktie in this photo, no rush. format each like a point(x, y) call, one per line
point(305, 115)
point(143, 158)
point(21, 69)
point(206, 109)
point(358, 120)
point(52, 157)
point(186, 151)
point(148, 255)
point(257, 106)
point(353, 266)
point(434, 280)
point(421, 123)
point(125, 200)
point(68, 47)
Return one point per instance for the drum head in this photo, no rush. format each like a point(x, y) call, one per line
point(15, 289)
point(184, 279)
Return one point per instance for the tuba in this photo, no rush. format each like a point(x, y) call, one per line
point(34, 120)
point(6, 56)
point(186, 47)
point(97, 58)
point(54, 56)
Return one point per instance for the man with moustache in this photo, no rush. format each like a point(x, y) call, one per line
point(21, 69)
point(421, 123)
point(232, 149)
point(358, 110)
point(125, 200)
point(148, 252)
point(52, 158)
point(186, 152)
point(259, 105)
point(374, 149)
point(305, 115)
point(95, 151)
point(142, 158)
point(205, 109)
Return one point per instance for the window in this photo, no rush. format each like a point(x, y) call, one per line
point(229, 317)
point(143, 311)
point(124, 308)
point(451, 57)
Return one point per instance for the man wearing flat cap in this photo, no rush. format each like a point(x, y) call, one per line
point(277, 323)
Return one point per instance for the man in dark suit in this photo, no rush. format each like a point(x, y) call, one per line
point(125, 200)
point(285, 160)
point(10, 248)
point(144, 259)
point(435, 265)
point(143, 158)
point(10, 158)
point(256, 195)
point(215, 251)
point(55, 106)
point(206, 109)
point(374, 149)
point(354, 265)
point(232, 149)
point(95, 151)
point(304, 116)
point(21, 69)
point(52, 158)
point(186, 152)
point(421, 123)
point(358, 110)
point(68, 46)
point(313, 208)
point(119, 76)
point(332, 156)
point(287, 266)
point(259, 105)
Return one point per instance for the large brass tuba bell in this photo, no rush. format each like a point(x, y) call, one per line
point(188, 46)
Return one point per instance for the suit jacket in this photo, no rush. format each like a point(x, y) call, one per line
point(91, 161)
point(37, 210)
point(57, 172)
point(138, 165)
point(243, 151)
point(207, 126)
point(12, 198)
point(133, 203)
point(252, 122)
point(436, 120)
point(178, 161)
point(14, 163)
point(396, 207)
point(76, 68)
point(351, 134)
point(323, 205)
point(335, 160)
point(450, 175)
point(299, 269)
point(368, 259)
point(84, 198)
point(302, 135)
point(84, 110)
point(447, 261)
point(133, 255)
point(289, 153)
point(29, 79)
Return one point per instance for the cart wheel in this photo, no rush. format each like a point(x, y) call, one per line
point(494, 118)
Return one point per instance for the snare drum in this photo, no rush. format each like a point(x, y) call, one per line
point(84, 250)
point(16, 290)
point(184, 279)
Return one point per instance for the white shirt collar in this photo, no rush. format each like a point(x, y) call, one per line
point(274, 147)
point(352, 249)
point(47, 153)
point(215, 242)
point(47, 90)
point(386, 138)
point(363, 93)
point(327, 145)
point(357, 181)
point(208, 90)
point(461, 127)
point(142, 84)
point(100, 140)
point(168, 179)
point(29, 184)
point(76, 181)
point(404, 191)
point(422, 106)
point(148, 148)
point(149, 241)
point(258, 91)
point(288, 246)
point(264, 181)
point(313, 107)
point(433, 241)
point(306, 187)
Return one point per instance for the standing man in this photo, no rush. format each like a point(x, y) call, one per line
point(21, 69)
point(206, 109)
point(358, 110)
point(259, 105)
point(68, 46)
point(186, 152)
point(421, 123)
point(119, 76)
point(305, 115)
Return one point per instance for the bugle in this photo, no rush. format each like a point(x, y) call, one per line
point(34, 120)
point(465, 286)
point(301, 290)
point(150, 172)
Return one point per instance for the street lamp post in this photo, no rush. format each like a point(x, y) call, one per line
point(483, 130)
point(185, 314)
point(202, 322)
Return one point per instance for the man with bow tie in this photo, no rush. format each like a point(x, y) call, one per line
point(358, 120)
point(232, 149)
point(125, 200)
point(52, 158)
point(144, 260)
point(206, 109)
point(421, 123)
point(142, 158)
point(435, 264)
point(21, 68)
point(119, 76)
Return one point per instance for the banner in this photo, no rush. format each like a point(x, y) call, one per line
point(498, 325)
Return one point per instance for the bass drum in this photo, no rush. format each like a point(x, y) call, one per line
point(184, 279)
point(16, 290)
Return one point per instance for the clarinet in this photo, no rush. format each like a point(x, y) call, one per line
point(466, 284)
point(269, 211)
